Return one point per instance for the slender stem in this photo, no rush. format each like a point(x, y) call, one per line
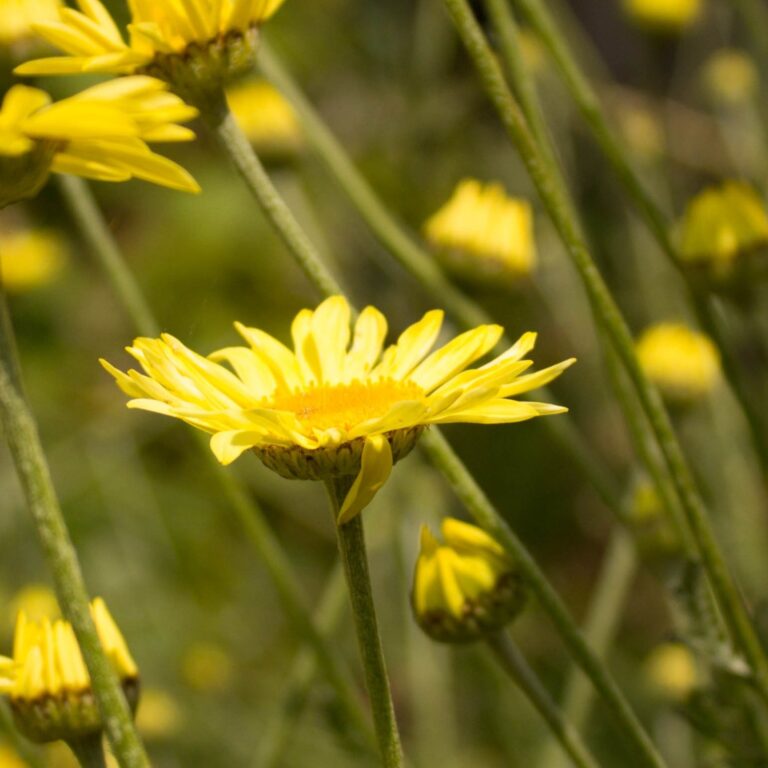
point(351, 539)
point(80, 201)
point(603, 616)
point(226, 130)
point(392, 235)
point(515, 665)
point(619, 157)
point(608, 316)
point(480, 507)
point(8, 348)
point(89, 752)
point(468, 490)
point(35, 477)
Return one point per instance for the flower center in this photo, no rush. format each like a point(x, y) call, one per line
point(344, 406)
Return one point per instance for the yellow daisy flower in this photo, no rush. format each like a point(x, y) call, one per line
point(684, 364)
point(101, 133)
point(664, 15)
point(47, 681)
point(484, 234)
point(162, 33)
point(18, 16)
point(465, 588)
point(266, 118)
point(338, 404)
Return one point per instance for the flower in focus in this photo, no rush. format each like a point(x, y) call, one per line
point(207, 667)
point(664, 15)
point(731, 77)
point(330, 408)
point(483, 234)
point(467, 587)
point(173, 39)
point(18, 16)
point(100, 133)
point(47, 682)
point(29, 257)
point(671, 668)
point(684, 364)
point(266, 118)
point(722, 225)
point(158, 716)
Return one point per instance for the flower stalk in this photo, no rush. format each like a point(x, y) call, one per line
point(89, 752)
point(608, 316)
point(512, 661)
point(35, 477)
point(351, 540)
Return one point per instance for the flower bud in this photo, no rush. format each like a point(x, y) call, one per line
point(672, 670)
point(466, 588)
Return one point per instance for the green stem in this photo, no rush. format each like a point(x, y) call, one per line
point(588, 103)
point(515, 665)
point(89, 752)
point(35, 477)
point(480, 507)
point(488, 517)
point(608, 316)
point(227, 132)
point(417, 261)
point(8, 347)
point(79, 199)
point(351, 539)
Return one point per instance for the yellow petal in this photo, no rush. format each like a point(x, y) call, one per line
point(375, 466)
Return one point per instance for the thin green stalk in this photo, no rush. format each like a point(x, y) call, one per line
point(95, 231)
point(603, 617)
point(89, 752)
point(277, 732)
point(351, 539)
point(8, 348)
point(35, 477)
point(392, 235)
point(619, 157)
point(608, 316)
point(515, 665)
point(487, 516)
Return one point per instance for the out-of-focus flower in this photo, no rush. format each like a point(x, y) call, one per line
point(466, 588)
point(9, 758)
point(328, 409)
point(18, 16)
point(650, 523)
point(722, 225)
point(100, 133)
point(29, 257)
point(36, 601)
point(207, 667)
point(731, 77)
point(664, 15)
point(684, 364)
point(672, 670)
point(158, 716)
point(484, 234)
point(266, 118)
point(642, 131)
point(191, 44)
point(47, 681)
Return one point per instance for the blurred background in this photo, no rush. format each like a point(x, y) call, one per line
point(162, 546)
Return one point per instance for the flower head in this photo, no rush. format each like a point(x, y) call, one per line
point(338, 403)
point(731, 77)
point(100, 133)
point(36, 602)
point(29, 257)
point(47, 681)
point(672, 669)
point(483, 234)
point(465, 588)
point(266, 118)
point(159, 715)
point(721, 225)
point(177, 40)
point(207, 667)
point(684, 364)
point(664, 15)
point(18, 16)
